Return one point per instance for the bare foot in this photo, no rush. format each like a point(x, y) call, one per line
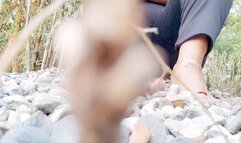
point(157, 85)
point(140, 133)
point(191, 75)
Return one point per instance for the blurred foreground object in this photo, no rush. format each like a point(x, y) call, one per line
point(108, 65)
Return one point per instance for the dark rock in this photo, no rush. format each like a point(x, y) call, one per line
point(156, 127)
point(193, 112)
point(45, 102)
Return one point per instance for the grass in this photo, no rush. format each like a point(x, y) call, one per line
point(223, 72)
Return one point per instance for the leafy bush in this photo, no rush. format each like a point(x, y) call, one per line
point(224, 63)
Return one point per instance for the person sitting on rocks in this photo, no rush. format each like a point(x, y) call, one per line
point(187, 32)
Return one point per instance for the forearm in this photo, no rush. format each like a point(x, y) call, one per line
point(159, 1)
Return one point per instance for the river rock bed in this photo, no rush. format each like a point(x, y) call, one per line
point(34, 109)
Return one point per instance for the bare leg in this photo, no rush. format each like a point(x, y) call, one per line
point(190, 74)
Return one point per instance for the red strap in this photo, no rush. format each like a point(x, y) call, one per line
point(201, 92)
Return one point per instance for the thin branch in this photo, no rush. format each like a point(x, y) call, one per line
point(48, 43)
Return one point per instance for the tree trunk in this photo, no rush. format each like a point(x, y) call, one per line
point(48, 45)
point(27, 56)
point(36, 54)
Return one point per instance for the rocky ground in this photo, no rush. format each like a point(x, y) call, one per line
point(34, 109)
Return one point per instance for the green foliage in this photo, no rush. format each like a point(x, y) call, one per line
point(13, 19)
point(223, 72)
point(230, 38)
point(224, 63)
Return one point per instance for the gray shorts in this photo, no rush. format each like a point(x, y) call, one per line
point(181, 20)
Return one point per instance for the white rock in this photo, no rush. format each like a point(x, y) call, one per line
point(187, 95)
point(58, 80)
point(177, 109)
point(45, 77)
point(129, 122)
point(44, 89)
point(59, 112)
point(174, 126)
point(13, 116)
point(170, 139)
point(15, 99)
point(219, 139)
point(57, 91)
point(10, 82)
point(163, 102)
point(220, 111)
point(235, 124)
point(3, 114)
point(3, 126)
point(219, 119)
point(168, 111)
point(3, 78)
point(235, 138)
point(205, 122)
point(12, 89)
point(149, 108)
point(26, 135)
point(30, 98)
point(174, 88)
point(13, 120)
point(66, 131)
point(24, 109)
point(160, 94)
point(11, 124)
point(229, 119)
point(39, 120)
point(28, 85)
point(192, 132)
point(46, 103)
point(24, 117)
point(218, 128)
point(172, 96)
point(179, 114)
